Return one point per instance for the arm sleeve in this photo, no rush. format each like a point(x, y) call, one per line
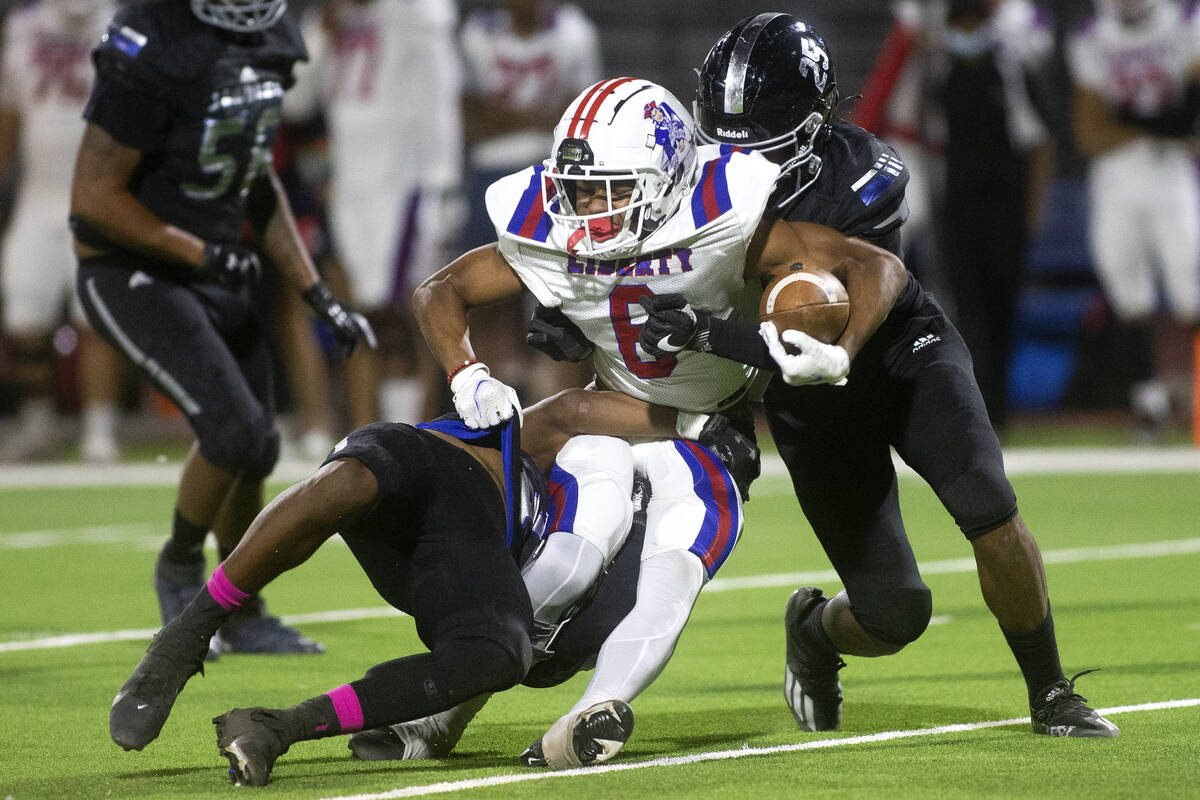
point(738, 341)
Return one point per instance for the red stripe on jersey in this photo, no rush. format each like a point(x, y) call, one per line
point(720, 493)
point(708, 191)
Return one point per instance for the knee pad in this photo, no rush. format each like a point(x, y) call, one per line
point(981, 499)
point(899, 617)
point(508, 659)
point(591, 483)
point(239, 444)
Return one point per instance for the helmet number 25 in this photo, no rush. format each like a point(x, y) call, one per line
point(623, 298)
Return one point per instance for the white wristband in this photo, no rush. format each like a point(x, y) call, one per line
point(688, 424)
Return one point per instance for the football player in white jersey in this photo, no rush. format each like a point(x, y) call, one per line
point(1136, 69)
point(45, 80)
point(386, 75)
point(625, 208)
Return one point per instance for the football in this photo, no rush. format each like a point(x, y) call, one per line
point(807, 299)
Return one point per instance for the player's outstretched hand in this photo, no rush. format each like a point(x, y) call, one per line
point(348, 326)
point(481, 400)
point(672, 325)
point(737, 451)
point(814, 363)
point(550, 332)
point(231, 265)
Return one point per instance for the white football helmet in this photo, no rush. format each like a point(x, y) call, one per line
point(620, 131)
point(240, 16)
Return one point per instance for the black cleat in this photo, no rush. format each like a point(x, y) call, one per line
point(251, 739)
point(592, 736)
point(810, 683)
point(144, 702)
point(251, 630)
point(176, 585)
point(1058, 711)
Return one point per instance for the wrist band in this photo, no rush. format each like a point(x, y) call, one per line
point(450, 375)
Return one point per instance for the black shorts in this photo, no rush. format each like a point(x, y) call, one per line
point(912, 387)
point(201, 345)
point(434, 545)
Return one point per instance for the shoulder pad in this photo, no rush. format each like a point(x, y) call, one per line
point(869, 180)
point(156, 44)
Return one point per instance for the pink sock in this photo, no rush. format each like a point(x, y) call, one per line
point(347, 708)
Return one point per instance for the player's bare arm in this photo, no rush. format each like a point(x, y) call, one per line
point(551, 422)
point(873, 277)
point(440, 304)
point(270, 215)
point(100, 197)
point(1095, 125)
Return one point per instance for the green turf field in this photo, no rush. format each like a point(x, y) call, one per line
point(1123, 553)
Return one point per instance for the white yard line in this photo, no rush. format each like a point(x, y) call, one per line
point(1018, 461)
point(1073, 555)
point(725, 755)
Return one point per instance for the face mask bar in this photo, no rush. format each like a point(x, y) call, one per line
point(240, 16)
point(594, 234)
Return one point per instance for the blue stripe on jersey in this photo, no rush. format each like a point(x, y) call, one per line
point(875, 187)
point(710, 198)
point(719, 531)
point(530, 220)
point(454, 427)
point(564, 499)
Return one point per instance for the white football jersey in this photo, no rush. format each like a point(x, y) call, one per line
point(388, 79)
point(699, 252)
point(1141, 68)
point(545, 69)
point(47, 77)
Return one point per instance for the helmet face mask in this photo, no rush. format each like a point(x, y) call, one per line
point(239, 16)
point(623, 159)
point(768, 85)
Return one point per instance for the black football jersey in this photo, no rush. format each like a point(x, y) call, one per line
point(860, 189)
point(201, 104)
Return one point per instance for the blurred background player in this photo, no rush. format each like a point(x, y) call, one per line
point(523, 61)
point(998, 166)
point(1136, 71)
point(175, 159)
point(768, 84)
point(44, 84)
point(386, 76)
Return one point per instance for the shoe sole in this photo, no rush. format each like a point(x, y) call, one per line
point(614, 721)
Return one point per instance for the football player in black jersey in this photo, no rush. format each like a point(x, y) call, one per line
point(175, 159)
point(768, 84)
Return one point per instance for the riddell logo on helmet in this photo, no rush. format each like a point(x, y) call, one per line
point(726, 133)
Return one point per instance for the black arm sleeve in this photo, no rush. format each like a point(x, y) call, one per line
point(739, 342)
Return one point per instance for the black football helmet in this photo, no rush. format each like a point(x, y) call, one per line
point(240, 16)
point(768, 85)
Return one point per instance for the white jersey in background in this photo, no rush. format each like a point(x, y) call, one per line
point(386, 75)
point(46, 79)
point(1144, 194)
point(699, 251)
point(548, 68)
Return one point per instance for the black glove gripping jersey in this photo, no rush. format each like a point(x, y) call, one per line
point(201, 104)
point(860, 189)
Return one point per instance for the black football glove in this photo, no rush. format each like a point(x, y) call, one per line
point(737, 451)
point(348, 326)
point(550, 332)
point(231, 265)
point(673, 325)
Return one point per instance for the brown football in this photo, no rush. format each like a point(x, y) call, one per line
point(807, 299)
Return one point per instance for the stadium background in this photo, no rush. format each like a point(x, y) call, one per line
point(1065, 332)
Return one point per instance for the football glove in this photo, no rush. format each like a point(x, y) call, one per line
point(348, 326)
point(231, 265)
point(550, 332)
point(737, 451)
point(481, 400)
point(673, 325)
point(816, 362)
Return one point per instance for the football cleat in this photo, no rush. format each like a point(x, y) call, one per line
point(1058, 711)
point(251, 630)
point(144, 702)
point(176, 585)
point(592, 736)
point(251, 739)
point(810, 682)
point(428, 737)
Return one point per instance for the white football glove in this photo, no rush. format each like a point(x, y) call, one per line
point(816, 362)
point(481, 400)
